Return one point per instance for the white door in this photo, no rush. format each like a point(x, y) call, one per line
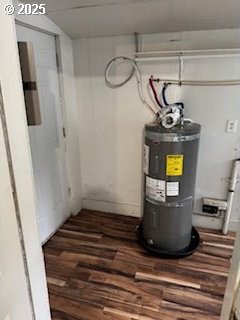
point(46, 140)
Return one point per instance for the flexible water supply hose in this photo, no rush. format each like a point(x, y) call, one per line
point(164, 94)
point(135, 71)
point(165, 85)
point(151, 79)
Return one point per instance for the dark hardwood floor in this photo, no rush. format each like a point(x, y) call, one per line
point(97, 270)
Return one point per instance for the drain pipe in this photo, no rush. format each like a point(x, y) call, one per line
point(232, 184)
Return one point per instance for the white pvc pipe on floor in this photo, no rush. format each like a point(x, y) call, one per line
point(232, 185)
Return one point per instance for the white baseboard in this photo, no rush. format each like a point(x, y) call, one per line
point(135, 211)
point(75, 211)
point(113, 207)
point(55, 230)
point(207, 222)
point(75, 205)
point(234, 225)
point(213, 223)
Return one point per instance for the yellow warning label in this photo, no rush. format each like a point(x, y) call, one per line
point(174, 165)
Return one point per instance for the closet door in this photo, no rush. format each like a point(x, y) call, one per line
point(46, 139)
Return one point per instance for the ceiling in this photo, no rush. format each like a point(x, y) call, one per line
point(83, 18)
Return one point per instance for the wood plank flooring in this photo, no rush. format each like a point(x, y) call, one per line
point(96, 270)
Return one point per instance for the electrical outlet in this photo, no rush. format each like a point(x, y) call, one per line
point(232, 126)
point(213, 206)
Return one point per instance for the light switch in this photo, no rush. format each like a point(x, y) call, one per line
point(232, 126)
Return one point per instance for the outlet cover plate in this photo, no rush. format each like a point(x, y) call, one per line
point(232, 126)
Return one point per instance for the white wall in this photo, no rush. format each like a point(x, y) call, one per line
point(14, 298)
point(70, 111)
point(13, 289)
point(111, 121)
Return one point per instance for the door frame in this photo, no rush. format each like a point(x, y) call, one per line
point(233, 281)
point(21, 167)
point(3, 122)
point(236, 306)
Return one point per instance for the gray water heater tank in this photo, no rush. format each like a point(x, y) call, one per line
point(170, 162)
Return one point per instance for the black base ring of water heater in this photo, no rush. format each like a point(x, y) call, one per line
point(190, 249)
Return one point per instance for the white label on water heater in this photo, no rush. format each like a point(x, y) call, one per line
point(156, 189)
point(172, 189)
point(146, 159)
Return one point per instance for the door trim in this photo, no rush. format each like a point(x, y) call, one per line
point(30, 26)
point(233, 280)
point(16, 202)
point(61, 103)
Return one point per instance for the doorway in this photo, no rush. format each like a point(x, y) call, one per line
point(47, 140)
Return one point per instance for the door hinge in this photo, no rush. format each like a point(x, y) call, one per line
point(64, 132)
point(69, 192)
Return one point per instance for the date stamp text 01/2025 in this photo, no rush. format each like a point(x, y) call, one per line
point(25, 9)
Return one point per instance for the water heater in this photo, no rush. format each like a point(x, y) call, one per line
point(169, 164)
